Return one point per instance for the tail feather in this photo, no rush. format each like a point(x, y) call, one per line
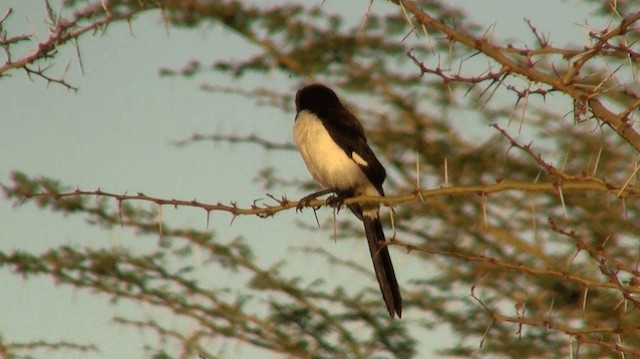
point(382, 262)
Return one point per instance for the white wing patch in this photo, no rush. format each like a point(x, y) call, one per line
point(359, 160)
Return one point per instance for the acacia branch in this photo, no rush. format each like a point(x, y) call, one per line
point(62, 31)
point(233, 139)
point(568, 83)
point(586, 335)
point(586, 184)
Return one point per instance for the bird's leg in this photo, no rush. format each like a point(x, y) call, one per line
point(304, 201)
point(336, 200)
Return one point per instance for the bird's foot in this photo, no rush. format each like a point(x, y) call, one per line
point(335, 201)
point(304, 201)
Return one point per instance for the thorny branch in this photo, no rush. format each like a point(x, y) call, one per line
point(582, 335)
point(520, 62)
point(553, 171)
point(250, 139)
point(589, 184)
point(94, 17)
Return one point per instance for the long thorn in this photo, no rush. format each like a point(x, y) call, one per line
point(628, 180)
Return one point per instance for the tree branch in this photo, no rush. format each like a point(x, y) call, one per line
point(569, 83)
point(586, 184)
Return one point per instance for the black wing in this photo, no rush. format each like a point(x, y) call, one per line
point(345, 129)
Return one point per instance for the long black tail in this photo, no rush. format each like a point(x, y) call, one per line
point(382, 262)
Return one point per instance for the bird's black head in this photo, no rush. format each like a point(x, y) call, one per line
point(316, 98)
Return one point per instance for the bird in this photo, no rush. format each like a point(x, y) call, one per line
point(334, 148)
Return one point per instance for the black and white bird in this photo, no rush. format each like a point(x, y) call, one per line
point(334, 148)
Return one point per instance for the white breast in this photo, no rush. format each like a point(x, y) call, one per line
point(326, 161)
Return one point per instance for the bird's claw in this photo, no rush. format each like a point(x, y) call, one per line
point(304, 202)
point(335, 201)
